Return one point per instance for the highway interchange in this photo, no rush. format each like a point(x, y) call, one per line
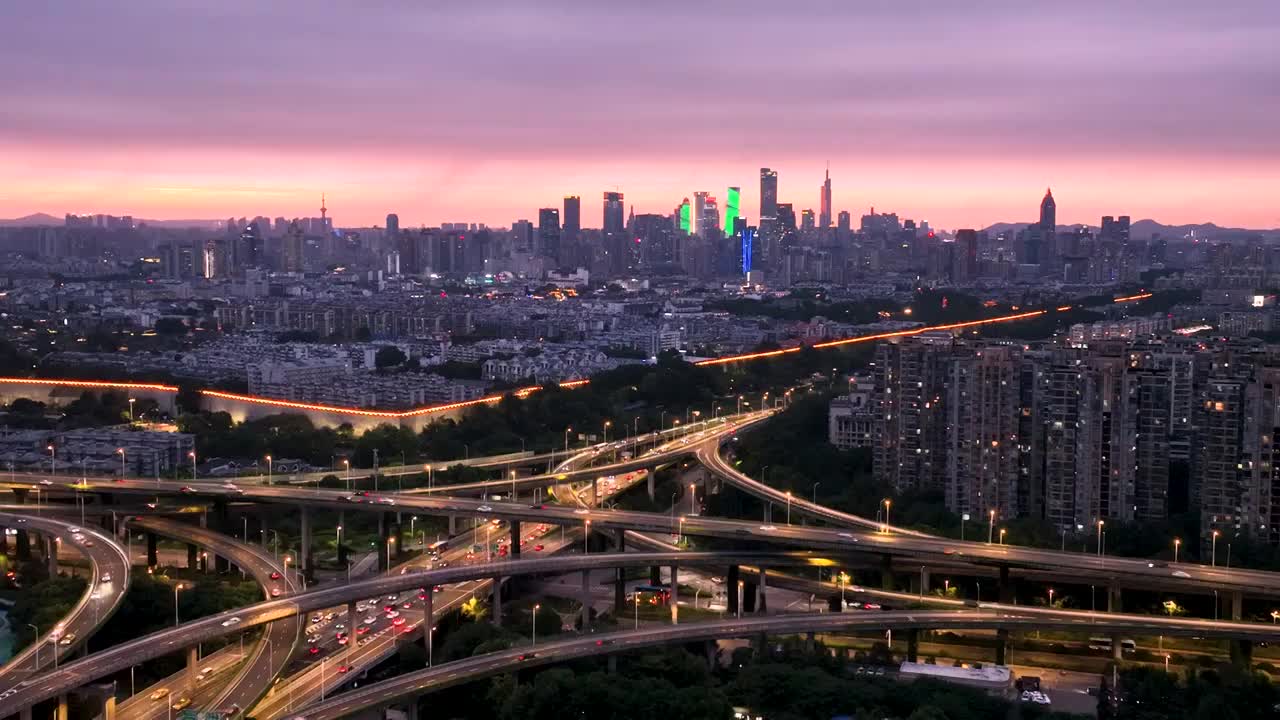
point(824, 545)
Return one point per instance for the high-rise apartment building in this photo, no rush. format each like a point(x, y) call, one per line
point(292, 249)
point(571, 250)
point(613, 213)
point(549, 233)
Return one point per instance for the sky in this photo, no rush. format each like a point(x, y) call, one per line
point(960, 114)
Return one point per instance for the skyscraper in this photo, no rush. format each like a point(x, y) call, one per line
point(570, 227)
point(699, 208)
point(291, 258)
point(685, 216)
point(768, 194)
point(393, 226)
point(731, 211)
point(1048, 212)
point(769, 236)
point(824, 211)
point(549, 233)
point(613, 213)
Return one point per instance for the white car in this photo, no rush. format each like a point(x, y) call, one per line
point(231, 621)
point(106, 577)
point(370, 620)
point(485, 508)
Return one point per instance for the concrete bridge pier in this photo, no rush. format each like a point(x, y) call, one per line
point(193, 664)
point(1002, 646)
point(109, 707)
point(23, 545)
point(152, 557)
point(61, 712)
point(1114, 600)
point(731, 590)
point(193, 554)
point(612, 665)
point(655, 574)
point(1004, 587)
point(763, 605)
point(497, 601)
point(453, 525)
point(428, 621)
point(649, 484)
point(51, 555)
point(886, 573)
point(913, 645)
point(20, 496)
point(515, 539)
point(305, 562)
point(1237, 605)
point(675, 592)
point(4, 540)
point(586, 600)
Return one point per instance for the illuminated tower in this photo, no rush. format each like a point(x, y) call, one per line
point(770, 234)
point(731, 211)
point(1048, 212)
point(699, 208)
point(685, 217)
point(325, 222)
point(824, 212)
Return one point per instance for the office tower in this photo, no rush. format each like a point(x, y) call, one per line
point(1048, 212)
point(806, 221)
point(824, 202)
point(747, 238)
point(214, 259)
point(571, 251)
point(699, 209)
point(549, 233)
point(280, 226)
point(844, 222)
point(966, 255)
point(393, 226)
point(655, 238)
point(613, 213)
point(731, 211)
point(709, 221)
point(522, 236)
point(785, 230)
point(1115, 230)
point(291, 258)
point(770, 236)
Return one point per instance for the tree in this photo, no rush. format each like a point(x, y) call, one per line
point(474, 610)
point(171, 326)
point(388, 356)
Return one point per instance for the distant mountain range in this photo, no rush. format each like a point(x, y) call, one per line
point(1144, 229)
point(45, 220)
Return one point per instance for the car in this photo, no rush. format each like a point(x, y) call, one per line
point(188, 490)
point(235, 490)
point(393, 598)
point(207, 670)
point(371, 620)
point(88, 543)
point(437, 588)
point(201, 677)
point(231, 621)
point(364, 641)
point(406, 606)
point(602, 643)
point(316, 618)
point(275, 592)
point(342, 640)
point(46, 481)
point(362, 493)
point(152, 505)
point(526, 656)
point(768, 528)
point(361, 607)
point(340, 626)
point(106, 577)
point(344, 669)
point(1181, 574)
point(742, 531)
point(582, 511)
point(73, 530)
point(538, 547)
point(362, 630)
point(78, 537)
point(275, 575)
point(312, 639)
point(67, 639)
point(484, 508)
point(181, 704)
point(313, 650)
point(159, 693)
point(398, 621)
point(406, 629)
point(393, 614)
point(330, 616)
point(387, 500)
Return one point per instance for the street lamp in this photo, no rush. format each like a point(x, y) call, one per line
point(192, 455)
point(636, 597)
point(131, 402)
point(607, 423)
point(566, 439)
point(1100, 524)
point(536, 608)
point(1177, 542)
point(391, 540)
point(268, 470)
point(176, 588)
point(586, 538)
point(815, 492)
point(1274, 615)
point(123, 471)
point(1051, 598)
point(843, 577)
point(991, 525)
point(1002, 532)
point(513, 486)
point(53, 461)
point(789, 507)
point(887, 503)
point(347, 463)
point(1214, 557)
point(693, 498)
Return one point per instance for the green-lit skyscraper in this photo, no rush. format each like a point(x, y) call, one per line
point(731, 212)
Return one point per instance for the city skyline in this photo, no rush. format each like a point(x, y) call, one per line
point(1168, 123)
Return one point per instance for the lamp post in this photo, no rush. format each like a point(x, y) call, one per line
point(636, 601)
point(607, 423)
point(887, 503)
point(1214, 556)
point(131, 402)
point(192, 455)
point(843, 577)
point(1177, 542)
point(991, 525)
point(566, 439)
point(268, 470)
point(815, 492)
point(534, 641)
point(513, 486)
point(1002, 532)
point(693, 498)
point(176, 588)
point(1051, 598)
point(586, 538)
point(123, 470)
point(391, 540)
point(347, 463)
point(53, 462)
point(789, 507)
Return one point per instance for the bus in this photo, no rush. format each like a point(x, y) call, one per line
point(652, 594)
point(1104, 643)
point(438, 547)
